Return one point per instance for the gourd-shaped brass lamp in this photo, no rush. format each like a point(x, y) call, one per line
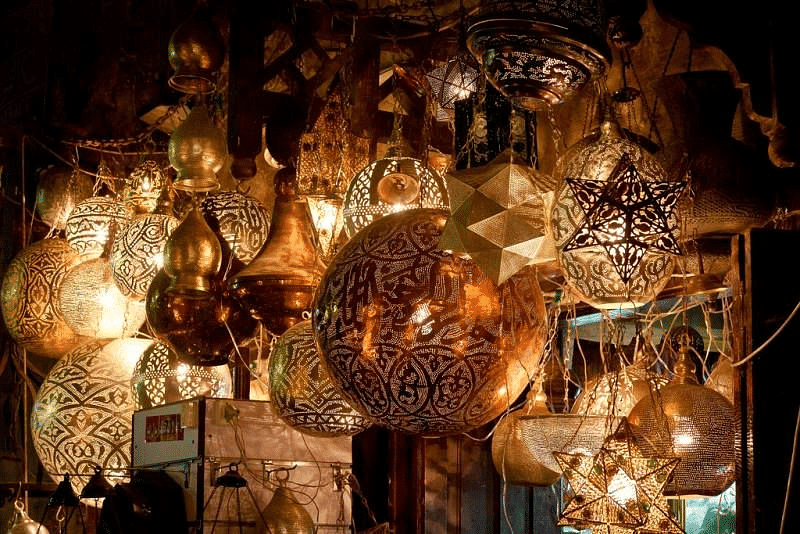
point(196, 52)
point(278, 285)
point(192, 256)
point(694, 423)
point(197, 151)
point(285, 515)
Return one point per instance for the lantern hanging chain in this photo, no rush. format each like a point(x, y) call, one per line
point(649, 111)
point(671, 53)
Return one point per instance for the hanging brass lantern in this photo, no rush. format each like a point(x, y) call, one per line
point(23, 524)
point(192, 256)
point(196, 52)
point(197, 151)
point(278, 285)
point(93, 223)
point(694, 423)
point(144, 186)
point(284, 515)
point(57, 193)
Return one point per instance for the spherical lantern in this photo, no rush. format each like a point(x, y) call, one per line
point(93, 305)
point(93, 223)
point(693, 423)
point(537, 52)
point(394, 183)
point(202, 331)
point(197, 151)
point(241, 220)
point(138, 252)
point(420, 340)
point(160, 378)
point(29, 298)
point(58, 192)
point(613, 221)
point(301, 389)
point(144, 185)
point(196, 52)
point(81, 418)
point(617, 392)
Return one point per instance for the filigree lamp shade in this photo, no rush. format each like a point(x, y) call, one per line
point(539, 53)
point(613, 221)
point(58, 192)
point(93, 305)
point(240, 219)
point(197, 151)
point(196, 51)
point(144, 186)
point(452, 81)
point(93, 223)
point(394, 183)
point(693, 423)
point(81, 418)
point(29, 298)
point(138, 252)
point(498, 216)
point(301, 390)
point(285, 515)
point(160, 377)
point(420, 340)
point(326, 214)
point(617, 392)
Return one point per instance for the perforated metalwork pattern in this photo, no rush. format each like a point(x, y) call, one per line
point(241, 220)
point(420, 340)
point(92, 223)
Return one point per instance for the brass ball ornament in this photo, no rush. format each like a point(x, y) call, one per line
point(420, 340)
point(29, 298)
point(301, 391)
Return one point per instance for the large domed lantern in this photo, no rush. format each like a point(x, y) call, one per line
point(421, 340)
point(613, 221)
point(538, 52)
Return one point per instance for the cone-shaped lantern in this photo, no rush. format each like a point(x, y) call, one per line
point(197, 151)
point(278, 285)
point(192, 256)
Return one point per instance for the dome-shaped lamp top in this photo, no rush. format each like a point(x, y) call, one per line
point(196, 52)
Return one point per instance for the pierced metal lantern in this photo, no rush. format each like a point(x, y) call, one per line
point(93, 223)
point(197, 151)
point(160, 377)
point(613, 221)
point(58, 192)
point(285, 515)
point(138, 252)
point(196, 52)
point(616, 393)
point(394, 183)
point(192, 256)
point(420, 340)
point(693, 423)
point(301, 390)
point(240, 219)
point(93, 305)
point(539, 53)
point(452, 81)
point(81, 418)
point(29, 298)
point(144, 185)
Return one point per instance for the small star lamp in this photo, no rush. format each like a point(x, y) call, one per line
point(452, 81)
point(498, 216)
point(613, 221)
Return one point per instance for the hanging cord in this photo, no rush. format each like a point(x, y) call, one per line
point(771, 338)
point(791, 473)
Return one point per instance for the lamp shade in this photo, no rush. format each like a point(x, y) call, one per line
point(143, 186)
point(240, 219)
point(616, 393)
point(93, 223)
point(420, 340)
point(29, 298)
point(93, 305)
point(192, 256)
point(197, 151)
point(138, 252)
point(196, 52)
point(613, 221)
point(160, 377)
point(58, 192)
point(301, 390)
point(81, 418)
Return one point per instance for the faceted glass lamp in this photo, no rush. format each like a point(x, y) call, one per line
point(455, 80)
point(613, 221)
point(693, 423)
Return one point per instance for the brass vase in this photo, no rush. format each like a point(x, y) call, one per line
point(278, 285)
point(197, 151)
point(284, 515)
point(192, 257)
point(196, 52)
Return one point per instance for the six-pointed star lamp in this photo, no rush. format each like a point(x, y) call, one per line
point(626, 215)
point(618, 491)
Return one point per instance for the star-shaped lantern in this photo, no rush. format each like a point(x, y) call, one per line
point(498, 216)
point(618, 491)
point(455, 80)
point(626, 215)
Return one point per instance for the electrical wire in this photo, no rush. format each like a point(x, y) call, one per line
point(770, 339)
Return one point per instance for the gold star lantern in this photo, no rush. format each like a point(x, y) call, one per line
point(498, 216)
